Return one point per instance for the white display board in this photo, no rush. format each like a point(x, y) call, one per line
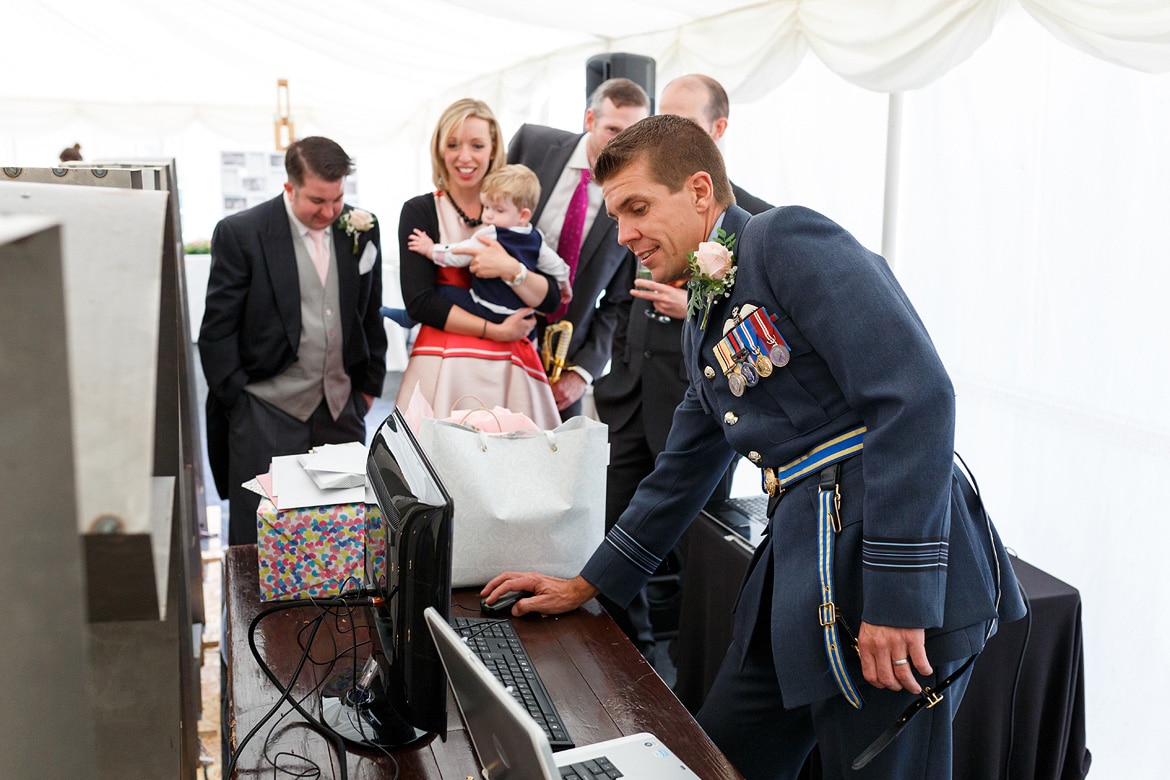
point(248, 179)
point(111, 252)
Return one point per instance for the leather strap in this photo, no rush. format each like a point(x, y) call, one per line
point(927, 699)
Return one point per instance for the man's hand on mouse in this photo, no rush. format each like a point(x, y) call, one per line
point(553, 594)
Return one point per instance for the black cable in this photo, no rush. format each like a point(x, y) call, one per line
point(1027, 617)
point(313, 722)
point(315, 772)
point(1007, 770)
point(284, 690)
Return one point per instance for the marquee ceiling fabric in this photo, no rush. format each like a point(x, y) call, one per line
point(372, 58)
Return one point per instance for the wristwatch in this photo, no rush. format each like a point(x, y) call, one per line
point(519, 278)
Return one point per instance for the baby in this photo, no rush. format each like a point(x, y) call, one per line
point(508, 195)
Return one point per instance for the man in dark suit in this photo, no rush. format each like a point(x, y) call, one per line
point(292, 341)
point(647, 380)
point(562, 160)
point(808, 359)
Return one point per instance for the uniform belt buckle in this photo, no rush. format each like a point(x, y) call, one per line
point(771, 483)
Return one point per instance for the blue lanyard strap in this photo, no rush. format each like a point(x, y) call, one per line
point(828, 524)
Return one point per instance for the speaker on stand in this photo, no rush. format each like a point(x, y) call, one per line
point(613, 65)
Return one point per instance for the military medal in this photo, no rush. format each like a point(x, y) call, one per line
point(763, 364)
point(749, 340)
point(737, 383)
point(778, 351)
point(747, 370)
point(728, 361)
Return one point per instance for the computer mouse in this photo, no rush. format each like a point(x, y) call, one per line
point(503, 604)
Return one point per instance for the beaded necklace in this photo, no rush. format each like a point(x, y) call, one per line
point(467, 221)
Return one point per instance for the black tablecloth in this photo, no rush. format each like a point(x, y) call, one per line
point(1042, 736)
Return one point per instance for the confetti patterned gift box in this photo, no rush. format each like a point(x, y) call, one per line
point(314, 551)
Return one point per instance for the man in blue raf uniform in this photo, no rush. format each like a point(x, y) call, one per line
point(880, 576)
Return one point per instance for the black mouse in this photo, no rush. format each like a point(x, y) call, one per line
point(504, 603)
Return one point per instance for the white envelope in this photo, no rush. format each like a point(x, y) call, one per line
point(294, 487)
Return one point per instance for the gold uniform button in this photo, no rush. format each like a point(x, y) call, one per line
point(730, 418)
point(709, 372)
point(754, 457)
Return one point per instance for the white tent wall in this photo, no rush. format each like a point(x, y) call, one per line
point(1034, 228)
point(1032, 209)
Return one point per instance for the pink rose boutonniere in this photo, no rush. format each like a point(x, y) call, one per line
point(356, 221)
point(712, 274)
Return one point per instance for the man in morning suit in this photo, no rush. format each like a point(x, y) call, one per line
point(647, 380)
point(292, 341)
point(562, 161)
point(873, 532)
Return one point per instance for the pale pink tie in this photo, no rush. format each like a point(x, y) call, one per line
point(572, 231)
point(320, 254)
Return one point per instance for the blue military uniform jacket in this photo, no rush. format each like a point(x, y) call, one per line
point(860, 356)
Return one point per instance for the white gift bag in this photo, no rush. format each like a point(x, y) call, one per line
point(525, 500)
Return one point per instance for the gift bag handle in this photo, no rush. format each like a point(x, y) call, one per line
point(482, 406)
point(549, 435)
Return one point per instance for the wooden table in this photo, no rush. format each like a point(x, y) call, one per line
point(601, 685)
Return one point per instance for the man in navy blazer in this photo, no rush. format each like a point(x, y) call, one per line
point(292, 341)
point(879, 565)
point(557, 157)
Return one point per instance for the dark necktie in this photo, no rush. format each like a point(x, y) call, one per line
point(572, 230)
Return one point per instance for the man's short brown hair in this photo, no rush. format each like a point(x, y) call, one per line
point(317, 156)
point(621, 92)
point(516, 182)
point(674, 148)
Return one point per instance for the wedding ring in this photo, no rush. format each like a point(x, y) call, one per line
point(903, 662)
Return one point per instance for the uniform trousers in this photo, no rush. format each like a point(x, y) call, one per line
point(745, 716)
point(258, 432)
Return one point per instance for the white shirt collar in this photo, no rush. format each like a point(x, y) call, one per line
point(301, 228)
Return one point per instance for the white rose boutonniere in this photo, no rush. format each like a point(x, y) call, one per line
point(712, 274)
point(356, 221)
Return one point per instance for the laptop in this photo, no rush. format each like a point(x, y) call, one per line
point(509, 743)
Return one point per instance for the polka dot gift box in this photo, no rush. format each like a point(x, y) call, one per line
point(314, 551)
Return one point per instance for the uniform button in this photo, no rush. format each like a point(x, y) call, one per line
point(754, 457)
point(709, 372)
point(730, 418)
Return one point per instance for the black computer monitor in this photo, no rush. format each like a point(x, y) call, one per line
point(408, 697)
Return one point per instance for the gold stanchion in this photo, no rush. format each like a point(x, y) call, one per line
point(554, 348)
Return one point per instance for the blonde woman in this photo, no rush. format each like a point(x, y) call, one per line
point(456, 352)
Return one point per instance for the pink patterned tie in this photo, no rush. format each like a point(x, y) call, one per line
point(320, 254)
point(572, 230)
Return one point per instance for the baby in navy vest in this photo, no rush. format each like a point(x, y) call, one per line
point(509, 196)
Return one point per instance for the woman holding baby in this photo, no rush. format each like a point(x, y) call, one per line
point(458, 352)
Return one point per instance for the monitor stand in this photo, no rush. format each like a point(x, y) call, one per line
point(372, 723)
point(363, 716)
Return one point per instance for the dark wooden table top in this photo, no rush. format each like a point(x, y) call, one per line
point(599, 682)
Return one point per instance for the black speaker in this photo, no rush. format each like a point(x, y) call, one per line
point(614, 65)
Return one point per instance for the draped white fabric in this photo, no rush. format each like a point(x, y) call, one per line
point(1032, 216)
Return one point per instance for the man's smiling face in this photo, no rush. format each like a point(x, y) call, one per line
point(659, 226)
